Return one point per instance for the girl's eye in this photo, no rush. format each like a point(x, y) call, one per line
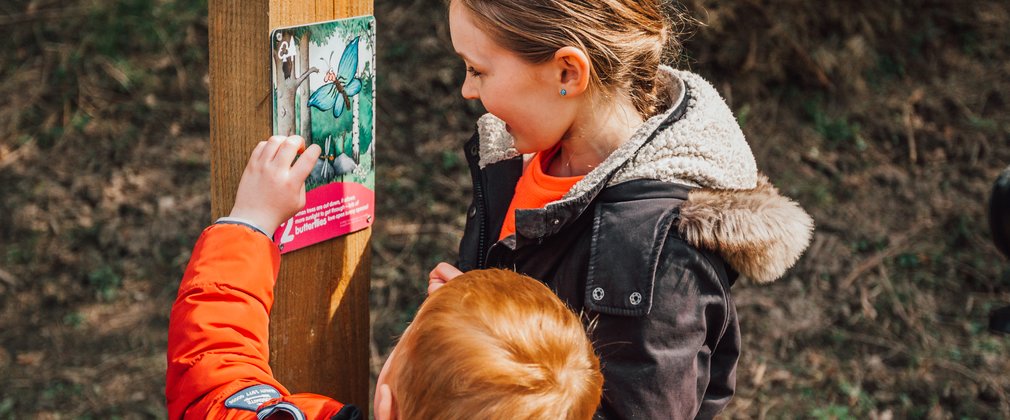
point(473, 72)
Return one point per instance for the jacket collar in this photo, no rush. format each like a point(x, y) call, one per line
point(696, 142)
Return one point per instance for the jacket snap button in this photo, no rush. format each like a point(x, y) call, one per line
point(473, 211)
point(475, 150)
point(598, 293)
point(636, 298)
point(556, 221)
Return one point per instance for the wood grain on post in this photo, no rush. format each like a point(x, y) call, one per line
point(319, 325)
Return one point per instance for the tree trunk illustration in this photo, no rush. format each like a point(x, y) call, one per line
point(303, 91)
point(287, 83)
point(355, 132)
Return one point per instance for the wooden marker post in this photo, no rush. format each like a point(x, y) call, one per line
point(319, 325)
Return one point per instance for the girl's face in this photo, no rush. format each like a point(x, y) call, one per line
point(526, 96)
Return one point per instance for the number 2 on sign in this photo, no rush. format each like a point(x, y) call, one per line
point(287, 236)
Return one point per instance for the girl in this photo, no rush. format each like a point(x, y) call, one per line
point(624, 185)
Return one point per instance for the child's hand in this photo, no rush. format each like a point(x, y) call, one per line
point(442, 274)
point(272, 189)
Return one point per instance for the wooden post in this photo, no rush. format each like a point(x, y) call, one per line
point(319, 325)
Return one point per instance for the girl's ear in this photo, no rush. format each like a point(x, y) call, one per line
point(573, 69)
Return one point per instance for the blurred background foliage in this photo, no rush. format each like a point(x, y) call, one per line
point(887, 120)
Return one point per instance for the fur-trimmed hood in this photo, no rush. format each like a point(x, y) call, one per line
point(697, 142)
point(759, 232)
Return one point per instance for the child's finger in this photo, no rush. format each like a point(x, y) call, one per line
point(434, 285)
point(303, 166)
point(288, 150)
point(444, 272)
point(257, 151)
point(270, 150)
point(440, 275)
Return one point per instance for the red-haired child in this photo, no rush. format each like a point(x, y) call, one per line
point(491, 345)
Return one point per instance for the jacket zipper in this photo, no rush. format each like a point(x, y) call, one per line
point(478, 185)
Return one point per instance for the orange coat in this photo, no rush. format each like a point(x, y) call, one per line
point(218, 334)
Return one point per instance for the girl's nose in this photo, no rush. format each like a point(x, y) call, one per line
point(469, 91)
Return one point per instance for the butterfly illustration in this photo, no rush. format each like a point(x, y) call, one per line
point(340, 85)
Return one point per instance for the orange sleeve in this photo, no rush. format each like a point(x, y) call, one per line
point(219, 329)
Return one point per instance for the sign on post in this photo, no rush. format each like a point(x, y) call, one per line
point(331, 104)
point(319, 325)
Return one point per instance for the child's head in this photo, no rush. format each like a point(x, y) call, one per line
point(494, 344)
point(623, 40)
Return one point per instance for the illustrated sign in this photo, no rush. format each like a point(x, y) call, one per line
point(324, 90)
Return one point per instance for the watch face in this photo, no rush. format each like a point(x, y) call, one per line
point(999, 212)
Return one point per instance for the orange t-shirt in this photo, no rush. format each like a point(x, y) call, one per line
point(535, 189)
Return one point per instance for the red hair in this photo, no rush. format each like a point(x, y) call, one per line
point(494, 344)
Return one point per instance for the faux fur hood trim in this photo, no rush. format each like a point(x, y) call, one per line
point(705, 148)
point(759, 232)
point(496, 144)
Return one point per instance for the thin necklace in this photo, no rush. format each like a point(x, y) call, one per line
point(567, 164)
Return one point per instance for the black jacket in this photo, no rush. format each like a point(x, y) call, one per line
point(657, 305)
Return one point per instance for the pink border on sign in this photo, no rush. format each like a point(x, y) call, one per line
point(330, 211)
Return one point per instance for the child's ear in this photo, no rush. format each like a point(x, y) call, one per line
point(385, 409)
point(574, 68)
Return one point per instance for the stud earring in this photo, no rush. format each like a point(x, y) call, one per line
point(564, 92)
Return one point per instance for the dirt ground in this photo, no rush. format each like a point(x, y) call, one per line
point(886, 120)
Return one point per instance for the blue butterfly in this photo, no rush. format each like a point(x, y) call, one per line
point(342, 84)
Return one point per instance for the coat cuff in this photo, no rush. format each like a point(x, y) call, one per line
point(242, 222)
point(234, 255)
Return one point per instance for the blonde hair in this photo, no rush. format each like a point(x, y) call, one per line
point(626, 40)
point(493, 344)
